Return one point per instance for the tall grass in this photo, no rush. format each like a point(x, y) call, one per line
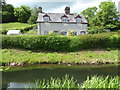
point(100, 82)
point(65, 82)
point(91, 82)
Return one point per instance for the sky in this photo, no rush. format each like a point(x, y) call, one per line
point(57, 6)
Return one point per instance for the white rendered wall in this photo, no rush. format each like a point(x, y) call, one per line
point(60, 27)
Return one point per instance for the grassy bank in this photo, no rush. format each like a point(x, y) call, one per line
point(91, 82)
point(16, 25)
point(25, 57)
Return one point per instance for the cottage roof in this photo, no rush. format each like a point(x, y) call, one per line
point(56, 17)
point(78, 16)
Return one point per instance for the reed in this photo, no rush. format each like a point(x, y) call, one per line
point(69, 82)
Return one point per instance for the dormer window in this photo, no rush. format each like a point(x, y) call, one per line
point(46, 18)
point(78, 18)
point(64, 18)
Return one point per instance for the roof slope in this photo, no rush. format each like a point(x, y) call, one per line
point(56, 17)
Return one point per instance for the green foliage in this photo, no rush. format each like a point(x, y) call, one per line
point(61, 43)
point(68, 82)
point(70, 33)
point(23, 13)
point(34, 16)
point(96, 29)
point(89, 13)
point(8, 13)
point(101, 82)
point(18, 26)
point(106, 15)
point(65, 82)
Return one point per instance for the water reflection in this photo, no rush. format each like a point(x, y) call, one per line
point(25, 78)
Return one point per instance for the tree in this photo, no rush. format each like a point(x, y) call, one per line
point(107, 14)
point(8, 13)
point(89, 13)
point(23, 13)
point(34, 16)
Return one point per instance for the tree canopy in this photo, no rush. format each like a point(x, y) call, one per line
point(34, 16)
point(23, 13)
point(8, 13)
point(105, 16)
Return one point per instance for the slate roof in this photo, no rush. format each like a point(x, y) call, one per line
point(56, 17)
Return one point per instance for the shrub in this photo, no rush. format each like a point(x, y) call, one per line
point(61, 43)
point(96, 29)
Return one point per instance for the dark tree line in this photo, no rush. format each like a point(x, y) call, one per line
point(21, 14)
point(8, 14)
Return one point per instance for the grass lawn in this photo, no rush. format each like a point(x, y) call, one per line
point(84, 57)
point(14, 25)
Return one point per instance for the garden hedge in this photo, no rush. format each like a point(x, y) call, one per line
point(61, 43)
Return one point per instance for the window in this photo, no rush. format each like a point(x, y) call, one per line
point(78, 20)
point(46, 32)
point(46, 19)
point(74, 33)
point(56, 32)
point(82, 32)
point(64, 33)
point(64, 19)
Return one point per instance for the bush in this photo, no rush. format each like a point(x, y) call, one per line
point(96, 29)
point(61, 43)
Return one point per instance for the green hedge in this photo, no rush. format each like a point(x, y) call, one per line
point(61, 43)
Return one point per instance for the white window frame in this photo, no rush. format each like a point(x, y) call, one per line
point(64, 32)
point(64, 19)
point(75, 33)
point(46, 19)
point(78, 19)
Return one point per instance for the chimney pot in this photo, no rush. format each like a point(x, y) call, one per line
point(40, 9)
point(67, 10)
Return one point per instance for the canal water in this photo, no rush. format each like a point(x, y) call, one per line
point(24, 77)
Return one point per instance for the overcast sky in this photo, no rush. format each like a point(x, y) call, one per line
point(58, 5)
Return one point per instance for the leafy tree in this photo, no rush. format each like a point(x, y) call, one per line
point(107, 15)
point(89, 13)
point(23, 13)
point(8, 13)
point(34, 16)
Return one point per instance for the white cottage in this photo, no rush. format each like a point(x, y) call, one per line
point(61, 23)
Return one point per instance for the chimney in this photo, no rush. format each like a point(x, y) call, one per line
point(40, 10)
point(67, 10)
